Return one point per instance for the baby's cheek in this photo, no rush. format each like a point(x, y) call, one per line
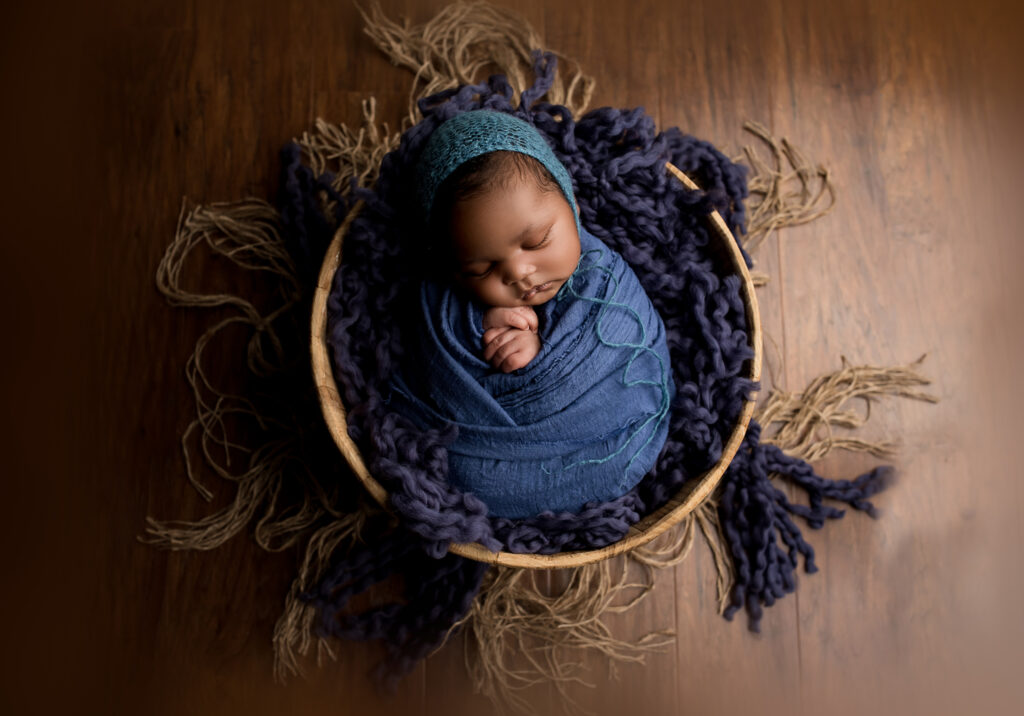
point(574, 254)
point(484, 290)
point(494, 292)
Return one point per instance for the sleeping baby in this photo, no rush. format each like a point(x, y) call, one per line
point(534, 339)
point(509, 237)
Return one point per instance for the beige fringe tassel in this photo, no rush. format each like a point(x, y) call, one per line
point(518, 635)
point(785, 190)
point(466, 42)
point(348, 154)
point(246, 233)
point(795, 422)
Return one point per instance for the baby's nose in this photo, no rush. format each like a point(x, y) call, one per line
point(518, 269)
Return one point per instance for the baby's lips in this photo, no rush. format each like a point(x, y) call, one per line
point(535, 290)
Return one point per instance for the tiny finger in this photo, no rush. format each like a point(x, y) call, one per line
point(514, 362)
point(530, 316)
point(498, 344)
point(517, 319)
point(492, 333)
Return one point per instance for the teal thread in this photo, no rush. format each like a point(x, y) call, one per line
point(638, 350)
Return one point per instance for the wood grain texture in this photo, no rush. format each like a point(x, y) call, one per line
point(116, 112)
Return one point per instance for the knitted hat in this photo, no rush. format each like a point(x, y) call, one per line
point(470, 134)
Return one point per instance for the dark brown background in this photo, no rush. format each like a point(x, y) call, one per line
point(114, 114)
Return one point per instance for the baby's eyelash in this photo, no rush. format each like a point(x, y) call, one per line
point(480, 274)
point(547, 237)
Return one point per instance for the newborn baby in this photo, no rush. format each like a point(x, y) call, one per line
point(512, 242)
point(533, 338)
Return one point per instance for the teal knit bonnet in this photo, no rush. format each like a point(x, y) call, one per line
point(470, 134)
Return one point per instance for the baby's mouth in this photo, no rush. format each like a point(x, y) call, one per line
point(537, 289)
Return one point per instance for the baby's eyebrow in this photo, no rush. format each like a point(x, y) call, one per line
point(525, 232)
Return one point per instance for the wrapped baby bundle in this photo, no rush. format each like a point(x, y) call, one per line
point(582, 423)
point(586, 419)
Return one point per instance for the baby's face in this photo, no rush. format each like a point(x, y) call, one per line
point(515, 246)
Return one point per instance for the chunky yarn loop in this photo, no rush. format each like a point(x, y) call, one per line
point(616, 160)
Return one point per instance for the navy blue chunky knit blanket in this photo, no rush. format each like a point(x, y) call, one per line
point(628, 201)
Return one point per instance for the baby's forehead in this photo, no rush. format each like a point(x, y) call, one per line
point(496, 223)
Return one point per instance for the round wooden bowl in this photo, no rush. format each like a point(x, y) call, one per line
point(692, 493)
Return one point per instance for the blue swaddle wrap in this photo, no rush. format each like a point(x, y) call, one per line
point(584, 421)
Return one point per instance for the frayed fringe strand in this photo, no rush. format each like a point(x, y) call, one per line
point(352, 158)
point(780, 195)
point(463, 43)
point(247, 233)
point(275, 489)
point(785, 191)
point(794, 421)
point(519, 636)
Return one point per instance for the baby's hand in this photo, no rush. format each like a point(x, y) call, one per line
point(509, 349)
point(510, 337)
point(522, 317)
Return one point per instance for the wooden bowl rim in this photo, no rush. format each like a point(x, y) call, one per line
point(690, 495)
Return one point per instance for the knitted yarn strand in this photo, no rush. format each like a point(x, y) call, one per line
point(754, 513)
point(294, 631)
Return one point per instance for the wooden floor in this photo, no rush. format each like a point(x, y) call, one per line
point(114, 115)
